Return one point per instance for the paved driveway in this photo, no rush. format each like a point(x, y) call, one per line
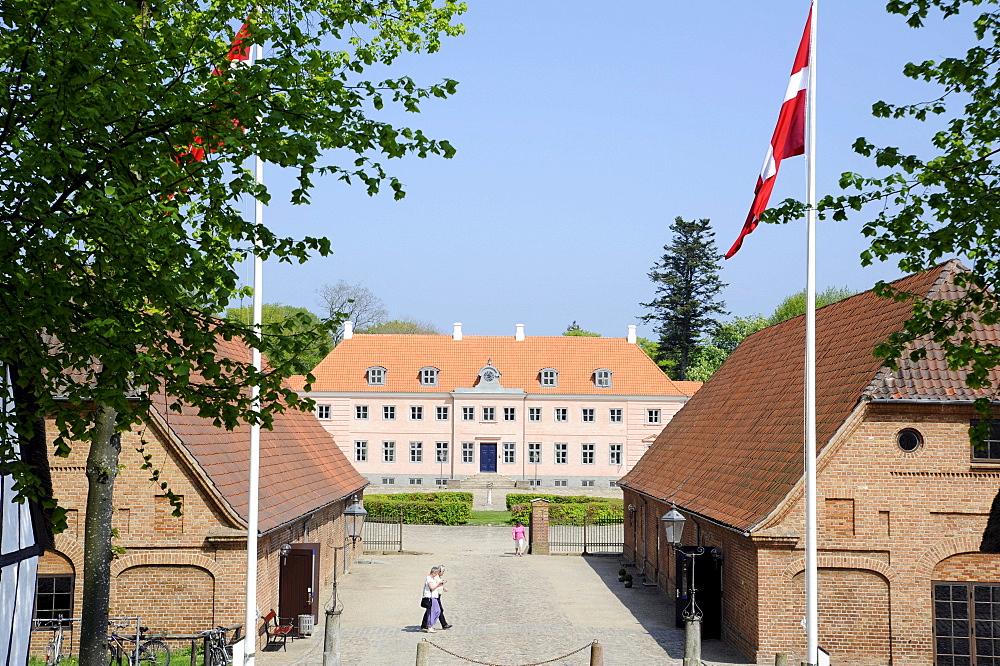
point(505, 609)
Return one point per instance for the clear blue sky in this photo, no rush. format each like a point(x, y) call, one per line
point(583, 128)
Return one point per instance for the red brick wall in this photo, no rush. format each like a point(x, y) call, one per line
point(176, 574)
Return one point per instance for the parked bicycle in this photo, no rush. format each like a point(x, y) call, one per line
point(217, 651)
point(53, 651)
point(124, 650)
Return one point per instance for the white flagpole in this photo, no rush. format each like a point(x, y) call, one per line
point(812, 597)
point(250, 626)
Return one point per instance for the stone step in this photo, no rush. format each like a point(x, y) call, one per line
point(483, 479)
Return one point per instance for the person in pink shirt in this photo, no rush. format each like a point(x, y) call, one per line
point(518, 532)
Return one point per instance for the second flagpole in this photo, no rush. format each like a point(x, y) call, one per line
point(811, 573)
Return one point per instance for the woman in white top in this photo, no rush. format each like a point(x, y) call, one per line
point(431, 591)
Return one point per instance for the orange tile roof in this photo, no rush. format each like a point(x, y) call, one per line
point(734, 451)
point(301, 467)
point(519, 362)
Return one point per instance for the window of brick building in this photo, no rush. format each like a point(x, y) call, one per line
point(615, 415)
point(509, 414)
point(561, 449)
point(389, 412)
point(990, 449)
point(323, 412)
point(587, 454)
point(652, 416)
point(534, 452)
point(388, 452)
point(441, 413)
point(416, 413)
point(562, 414)
point(441, 452)
point(416, 452)
point(509, 449)
point(468, 452)
point(360, 451)
point(361, 412)
point(489, 413)
point(54, 597)
point(468, 413)
point(615, 457)
point(587, 415)
point(966, 623)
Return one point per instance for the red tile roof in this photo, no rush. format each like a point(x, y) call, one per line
point(734, 451)
point(459, 362)
point(301, 467)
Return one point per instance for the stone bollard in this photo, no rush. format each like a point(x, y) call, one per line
point(331, 639)
point(423, 650)
point(596, 654)
point(781, 659)
point(692, 642)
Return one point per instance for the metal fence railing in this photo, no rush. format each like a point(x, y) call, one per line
point(384, 533)
point(589, 537)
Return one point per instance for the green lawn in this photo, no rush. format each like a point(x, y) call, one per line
point(490, 518)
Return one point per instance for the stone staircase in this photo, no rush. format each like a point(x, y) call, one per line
point(483, 479)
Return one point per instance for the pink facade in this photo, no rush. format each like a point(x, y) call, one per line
point(563, 411)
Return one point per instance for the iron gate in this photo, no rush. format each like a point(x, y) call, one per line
point(589, 536)
point(383, 533)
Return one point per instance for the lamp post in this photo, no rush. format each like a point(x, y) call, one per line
point(673, 525)
point(355, 518)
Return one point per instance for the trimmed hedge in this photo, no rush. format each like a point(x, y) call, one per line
point(425, 497)
point(577, 513)
point(427, 509)
point(525, 498)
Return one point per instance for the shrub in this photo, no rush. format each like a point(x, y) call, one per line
point(525, 498)
point(422, 511)
point(573, 513)
point(447, 496)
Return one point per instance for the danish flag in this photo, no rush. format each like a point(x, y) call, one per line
point(788, 140)
point(239, 54)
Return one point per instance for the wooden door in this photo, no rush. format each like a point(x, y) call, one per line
point(298, 580)
point(488, 457)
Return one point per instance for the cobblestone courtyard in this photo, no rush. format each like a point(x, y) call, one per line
point(505, 610)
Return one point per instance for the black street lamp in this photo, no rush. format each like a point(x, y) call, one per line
point(355, 518)
point(673, 524)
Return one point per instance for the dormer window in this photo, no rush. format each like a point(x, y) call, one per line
point(548, 377)
point(602, 378)
point(376, 376)
point(429, 376)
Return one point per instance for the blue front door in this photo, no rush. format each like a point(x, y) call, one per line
point(487, 457)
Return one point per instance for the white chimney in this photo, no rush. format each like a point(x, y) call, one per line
point(457, 335)
point(519, 335)
point(348, 330)
point(631, 334)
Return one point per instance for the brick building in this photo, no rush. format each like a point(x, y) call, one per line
point(553, 411)
point(902, 497)
point(186, 574)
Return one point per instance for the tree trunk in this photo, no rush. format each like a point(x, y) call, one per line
point(102, 468)
point(991, 537)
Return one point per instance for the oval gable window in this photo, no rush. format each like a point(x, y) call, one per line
point(909, 439)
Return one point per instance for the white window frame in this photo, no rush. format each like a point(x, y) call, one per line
point(416, 481)
point(586, 483)
point(510, 413)
point(534, 453)
point(561, 453)
point(652, 417)
point(360, 450)
point(441, 413)
point(468, 413)
point(416, 452)
point(535, 414)
point(388, 412)
point(490, 414)
point(376, 375)
point(388, 481)
point(429, 376)
point(560, 483)
point(616, 415)
point(416, 413)
point(587, 415)
point(510, 453)
point(388, 451)
point(323, 412)
point(615, 454)
point(587, 453)
point(602, 378)
point(361, 412)
point(548, 377)
point(561, 414)
point(468, 452)
point(441, 452)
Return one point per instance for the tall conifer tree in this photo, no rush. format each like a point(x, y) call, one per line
point(687, 289)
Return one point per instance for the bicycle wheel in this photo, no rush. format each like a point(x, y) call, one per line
point(218, 656)
point(154, 653)
point(116, 656)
